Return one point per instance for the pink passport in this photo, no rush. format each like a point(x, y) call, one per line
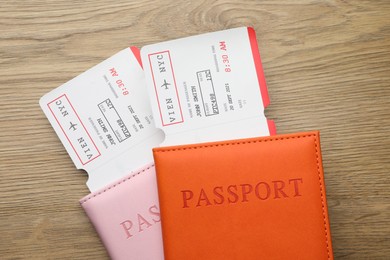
point(126, 215)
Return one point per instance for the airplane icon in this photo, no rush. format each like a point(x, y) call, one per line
point(166, 84)
point(73, 126)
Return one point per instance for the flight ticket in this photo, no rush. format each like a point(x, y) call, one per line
point(104, 119)
point(208, 87)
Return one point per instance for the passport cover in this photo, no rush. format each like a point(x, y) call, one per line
point(258, 198)
point(126, 216)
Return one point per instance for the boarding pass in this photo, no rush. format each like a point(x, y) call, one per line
point(104, 119)
point(208, 87)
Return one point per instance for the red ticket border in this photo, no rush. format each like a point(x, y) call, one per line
point(155, 89)
point(259, 66)
point(137, 54)
point(48, 105)
point(260, 76)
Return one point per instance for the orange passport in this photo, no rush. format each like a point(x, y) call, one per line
point(258, 198)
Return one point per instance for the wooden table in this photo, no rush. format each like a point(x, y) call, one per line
point(327, 65)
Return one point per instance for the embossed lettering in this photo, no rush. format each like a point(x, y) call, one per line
point(246, 189)
point(142, 221)
point(219, 195)
point(153, 210)
point(296, 186)
point(267, 188)
point(127, 225)
point(187, 195)
point(203, 197)
point(279, 189)
point(234, 194)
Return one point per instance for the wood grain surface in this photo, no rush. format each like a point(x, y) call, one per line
point(327, 65)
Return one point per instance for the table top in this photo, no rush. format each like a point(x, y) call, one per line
point(327, 66)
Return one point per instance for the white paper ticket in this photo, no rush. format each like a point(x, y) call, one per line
point(207, 87)
point(104, 119)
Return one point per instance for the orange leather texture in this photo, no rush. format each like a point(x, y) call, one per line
point(258, 198)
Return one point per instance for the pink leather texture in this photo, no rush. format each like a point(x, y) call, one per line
point(126, 216)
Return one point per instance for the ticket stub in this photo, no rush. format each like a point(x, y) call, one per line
point(104, 119)
point(207, 87)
